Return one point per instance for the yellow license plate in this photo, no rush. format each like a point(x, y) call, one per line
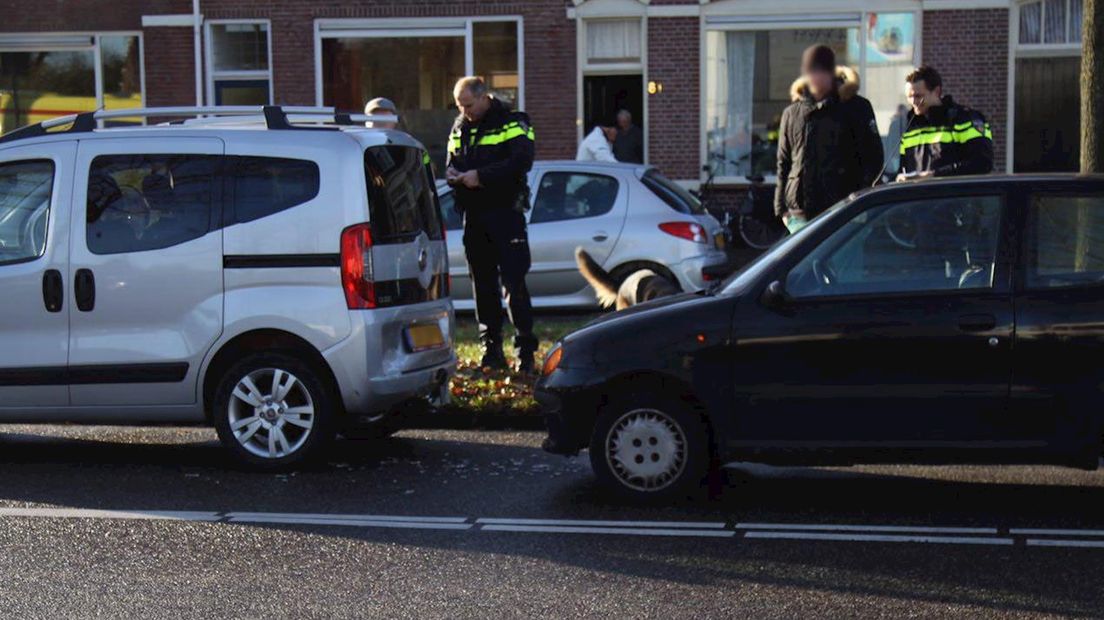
point(719, 241)
point(425, 337)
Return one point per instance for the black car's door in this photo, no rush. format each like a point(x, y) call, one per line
point(897, 331)
point(1057, 375)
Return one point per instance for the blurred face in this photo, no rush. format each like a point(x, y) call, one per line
point(472, 108)
point(611, 133)
point(922, 98)
point(624, 121)
point(820, 83)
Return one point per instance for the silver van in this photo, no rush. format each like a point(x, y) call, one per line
point(279, 273)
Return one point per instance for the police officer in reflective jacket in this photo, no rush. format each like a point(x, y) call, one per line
point(942, 137)
point(490, 152)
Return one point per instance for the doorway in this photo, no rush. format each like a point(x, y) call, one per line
point(604, 95)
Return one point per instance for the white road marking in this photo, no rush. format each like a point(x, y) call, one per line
point(407, 525)
point(1037, 537)
point(633, 531)
point(87, 513)
point(1037, 542)
point(1031, 531)
point(332, 516)
point(894, 538)
point(584, 522)
point(829, 527)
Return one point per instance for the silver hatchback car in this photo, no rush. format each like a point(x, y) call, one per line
point(627, 216)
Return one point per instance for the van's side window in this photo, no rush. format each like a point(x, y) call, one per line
point(24, 209)
point(267, 185)
point(148, 202)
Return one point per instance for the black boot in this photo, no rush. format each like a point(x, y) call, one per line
point(493, 357)
point(526, 363)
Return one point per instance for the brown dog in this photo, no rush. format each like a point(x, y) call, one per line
point(641, 285)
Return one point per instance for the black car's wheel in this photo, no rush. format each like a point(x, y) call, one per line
point(273, 411)
point(650, 447)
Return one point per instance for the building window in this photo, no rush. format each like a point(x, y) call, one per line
point(748, 79)
point(1050, 22)
point(239, 71)
point(613, 41)
point(357, 63)
point(1047, 113)
point(741, 122)
point(45, 76)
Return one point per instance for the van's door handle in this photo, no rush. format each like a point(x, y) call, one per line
point(977, 322)
point(600, 237)
point(53, 294)
point(84, 288)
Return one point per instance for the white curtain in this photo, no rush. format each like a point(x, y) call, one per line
point(731, 56)
point(613, 40)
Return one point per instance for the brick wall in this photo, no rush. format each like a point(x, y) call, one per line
point(170, 66)
point(674, 128)
point(549, 50)
point(969, 48)
point(84, 15)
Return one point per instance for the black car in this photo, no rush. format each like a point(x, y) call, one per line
point(950, 320)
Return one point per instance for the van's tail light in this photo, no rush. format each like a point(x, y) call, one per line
point(686, 230)
point(356, 267)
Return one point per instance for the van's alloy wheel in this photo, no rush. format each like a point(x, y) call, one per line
point(646, 450)
point(271, 413)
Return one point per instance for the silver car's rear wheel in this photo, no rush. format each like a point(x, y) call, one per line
point(271, 413)
point(646, 450)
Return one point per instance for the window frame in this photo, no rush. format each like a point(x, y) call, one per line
point(756, 22)
point(49, 208)
point(1025, 243)
point(404, 27)
point(545, 173)
point(1002, 261)
point(214, 76)
point(76, 42)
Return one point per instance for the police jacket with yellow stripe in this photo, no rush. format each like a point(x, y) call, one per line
point(500, 147)
point(949, 140)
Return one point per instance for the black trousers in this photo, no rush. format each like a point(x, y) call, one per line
point(496, 244)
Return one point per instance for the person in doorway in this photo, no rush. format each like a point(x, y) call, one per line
point(596, 146)
point(828, 141)
point(942, 137)
point(381, 106)
point(490, 153)
point(628, 146)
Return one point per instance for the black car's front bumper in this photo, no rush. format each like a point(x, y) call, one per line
point(569, 400)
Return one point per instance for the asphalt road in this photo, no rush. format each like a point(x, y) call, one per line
point(115, 522)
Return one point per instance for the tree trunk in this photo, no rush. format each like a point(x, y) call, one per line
point(1092, 87)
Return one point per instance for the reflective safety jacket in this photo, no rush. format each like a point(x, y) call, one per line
point(500, 148)
point(949, 140)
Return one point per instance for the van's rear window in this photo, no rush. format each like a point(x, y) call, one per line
point(401, 196)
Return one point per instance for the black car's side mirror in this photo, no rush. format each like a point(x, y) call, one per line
point(775, 297)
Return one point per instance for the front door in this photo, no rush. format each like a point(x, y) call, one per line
point(898, 332)
point(146, 283)
point(35, 191)
point(572, 209)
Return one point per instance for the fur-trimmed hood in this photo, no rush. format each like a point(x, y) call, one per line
point(846, 77)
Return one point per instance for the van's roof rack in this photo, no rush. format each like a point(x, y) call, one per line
point(273, 116)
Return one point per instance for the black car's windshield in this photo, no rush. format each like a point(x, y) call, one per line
point(751, 271)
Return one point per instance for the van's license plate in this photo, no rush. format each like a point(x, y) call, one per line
point(719, 241)
point(424, 337)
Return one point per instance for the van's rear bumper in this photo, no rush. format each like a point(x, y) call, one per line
point(374, 367)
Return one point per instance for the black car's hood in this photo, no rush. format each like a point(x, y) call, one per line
point(649, 306)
